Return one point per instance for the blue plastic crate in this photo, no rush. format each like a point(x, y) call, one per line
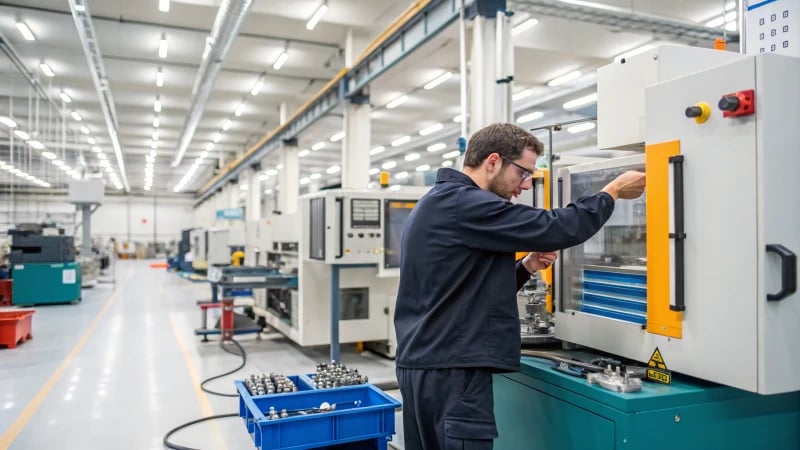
point(300, 381)
point(363, 413)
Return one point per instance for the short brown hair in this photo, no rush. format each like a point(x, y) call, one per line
point(506, 139)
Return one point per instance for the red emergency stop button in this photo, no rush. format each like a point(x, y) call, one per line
point(737, 104)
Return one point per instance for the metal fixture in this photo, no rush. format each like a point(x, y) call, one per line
point(229, 18)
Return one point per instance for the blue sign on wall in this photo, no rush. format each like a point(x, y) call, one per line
point(230, 214)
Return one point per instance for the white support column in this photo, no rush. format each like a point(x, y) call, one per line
point(289, 179)
point(283, 113)
point(253, 196)
point(355, 148)
point(491, 67)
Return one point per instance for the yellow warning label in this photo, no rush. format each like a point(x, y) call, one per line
point(658, 369)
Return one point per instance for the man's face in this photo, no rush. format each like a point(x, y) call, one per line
point(511, 180)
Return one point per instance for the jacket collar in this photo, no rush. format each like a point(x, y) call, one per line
point(451, 175)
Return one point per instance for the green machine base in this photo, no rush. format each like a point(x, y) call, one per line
point(539, 408)
point(45, 283)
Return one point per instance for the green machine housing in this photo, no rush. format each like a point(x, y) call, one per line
point(539, 408)
point(46, 283)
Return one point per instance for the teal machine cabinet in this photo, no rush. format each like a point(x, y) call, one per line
point(46, 283)
point(539, 408)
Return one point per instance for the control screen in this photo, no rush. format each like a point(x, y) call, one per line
point(396, 213)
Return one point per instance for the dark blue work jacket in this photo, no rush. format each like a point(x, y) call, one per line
point(456, 304)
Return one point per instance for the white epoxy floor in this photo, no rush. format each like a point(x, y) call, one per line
point(121, 368)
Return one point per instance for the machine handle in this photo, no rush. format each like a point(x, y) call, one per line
point(680, 233)
point(340, 241)
point(788, 272)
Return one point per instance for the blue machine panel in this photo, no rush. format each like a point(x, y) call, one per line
point(616, 295)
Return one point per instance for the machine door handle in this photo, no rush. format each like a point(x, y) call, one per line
point(788, 272)
point(679, 235)
point(340, 241)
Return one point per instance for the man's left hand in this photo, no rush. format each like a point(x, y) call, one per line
point(539, 260)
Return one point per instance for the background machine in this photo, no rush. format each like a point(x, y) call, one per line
point(348, 249)
point(696, 282)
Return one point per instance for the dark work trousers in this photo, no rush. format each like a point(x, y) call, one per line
point(447, 409)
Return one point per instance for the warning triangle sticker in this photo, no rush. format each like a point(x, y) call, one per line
point(657, 361)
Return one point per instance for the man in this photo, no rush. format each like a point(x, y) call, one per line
point(456, 315)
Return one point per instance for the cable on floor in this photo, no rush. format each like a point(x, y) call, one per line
point(243, 354)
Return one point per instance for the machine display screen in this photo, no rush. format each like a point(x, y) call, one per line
point(396, 213)
point(365, 213)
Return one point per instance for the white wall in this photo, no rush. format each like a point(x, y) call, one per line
point(123, 218)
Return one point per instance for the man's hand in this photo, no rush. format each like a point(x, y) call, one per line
point(539, 260)
point(629, 185)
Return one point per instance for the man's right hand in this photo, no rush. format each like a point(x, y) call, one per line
point(629, 185)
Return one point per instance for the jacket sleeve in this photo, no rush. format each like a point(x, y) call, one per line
point(488, 222)
point(522, 275)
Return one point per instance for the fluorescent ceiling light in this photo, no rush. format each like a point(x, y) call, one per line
point(8, 122)
point(315, 176)
point(524, 25)
point(634, 52)
point(423, 168)
point(257, 87)
point(65, 97)
point(147, 158)
point(226, 125)
point(155, 135)
point(411, 157)
point(26, 32)
point(438, 80)
point(280, 60)
point(268, 191)
point(49, 155)
point(581, 101)
point(525, 93)
point(453, 154)
point(437, 147)
point(216, 137)
point(36, 144)
point(157, 104)
point(530, 117)
point(395, 187)
point(153, 153)
point(401, 175)
point(75, 116)
point(90, 140)
point(374, 171)
point(317, 16)
point(272, 172)
point(318, 146)
point(303, 153)
point(58, 163)
point(401, 141)
point(263, 177)
point(156, 122)
point(97, 149)
point(154, 145)
point(163, 5)
point(46, 70)
point(338, 136)
point(239, 110)
point(162, 46)
point(457, 118)
point(209, 146)
point(243, 187)
point(279, 167)
point(566, 78)
point(304, 180)
point(22, 135)
point(376, 150)
point(160, 77)
point(333, 169)
point(388, 165)
point(85, 129)
point(431, 129)
point(397, 102)
point(103, 156)
point(581, 127)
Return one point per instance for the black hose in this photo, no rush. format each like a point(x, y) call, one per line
point(243, 354)
point(560, 359)
point(169, 444)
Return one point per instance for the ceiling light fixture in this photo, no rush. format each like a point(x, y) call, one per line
point(156, 122)
point(581, 101)
point(8, 122)
point(22, 135)
point(157, 104)
point(566, 78)
point(280, 60)
point(581, 127)
point(318, 146)
point(338, 136)
point(317, 16)
point(216, 137)
point(401, 141)
point(258, 86)
point(457, 119)
point(162, 46)
point(437, 81)
point(36, 144)
point(64, 97)
point(77, 117)
point(525, 93)
point(239, 110)
point(226, 125)
point(333, 169)
point(85, 129)
point(423, 168)
point(411, 157)
point(26, 32)
point(376, 150)
point(163, 5)
point(431, 129)
point(401, 175)
point(388, 165)
point(160, 77)
point(524, 25)
point(530, 117)
point(397, 102)
point(47, 70)
point(436, 147)
point(303, 153)
point(374, 171)
point(450, 155)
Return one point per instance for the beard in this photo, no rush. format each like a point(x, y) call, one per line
point(501, 188)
